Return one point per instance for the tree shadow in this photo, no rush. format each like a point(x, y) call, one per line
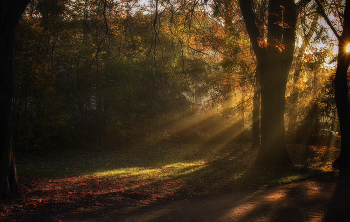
point(226, 188)
point(339, 207)
point(240, 199)
point(292, 202)
point(303, 201)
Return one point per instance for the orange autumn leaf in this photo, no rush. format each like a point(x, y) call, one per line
point(309, 58)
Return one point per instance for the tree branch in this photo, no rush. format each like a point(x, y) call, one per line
point(302, 3)
point(346, 23)
point(324, 15)
point(249, 20)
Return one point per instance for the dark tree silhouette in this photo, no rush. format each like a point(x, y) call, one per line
point(274, 56)
point(341, 86)
point(10, 13)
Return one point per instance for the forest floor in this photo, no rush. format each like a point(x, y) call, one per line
point(178, 182)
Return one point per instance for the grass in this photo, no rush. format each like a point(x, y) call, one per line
point(167, 161)
point(136, 161)
point(171, 170)
point(74, 180)
point(297, 176)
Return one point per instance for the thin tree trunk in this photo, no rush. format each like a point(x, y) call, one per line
point(292, 120)
point(256, 117)
point(10, 13)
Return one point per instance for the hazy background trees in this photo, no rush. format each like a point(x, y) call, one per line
point(111, 73)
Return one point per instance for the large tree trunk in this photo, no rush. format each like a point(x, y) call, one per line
point(274, 62)
point(342, 103)
point(273, 151)
point(10, 13)
point(341, 93)
point(341, 86)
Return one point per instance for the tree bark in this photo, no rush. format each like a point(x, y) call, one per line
point(273, 151)
point(274, 62)
point(10, 13)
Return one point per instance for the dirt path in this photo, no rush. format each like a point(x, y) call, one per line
point(321, 199)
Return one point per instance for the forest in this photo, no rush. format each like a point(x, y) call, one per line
point(122, 104)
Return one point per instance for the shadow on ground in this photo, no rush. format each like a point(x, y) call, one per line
point(339, 206)
point(224, 190)
point(320, 199)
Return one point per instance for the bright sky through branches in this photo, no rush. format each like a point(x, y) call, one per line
point(348, 48)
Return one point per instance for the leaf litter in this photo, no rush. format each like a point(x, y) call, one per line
point(59, 193)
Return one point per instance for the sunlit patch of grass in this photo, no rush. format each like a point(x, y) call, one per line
point(145, 175)
point(169, 170)
point(288, 179)
point(124, 172)
point(292, 177)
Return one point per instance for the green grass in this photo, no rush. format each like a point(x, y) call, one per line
point(135, 161)
point(292, 177)
point(228, 165)
point(144, 175)
point(171, 170)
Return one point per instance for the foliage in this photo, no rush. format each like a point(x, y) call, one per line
point(89, 73)
point(108, 73)
point(310, 96)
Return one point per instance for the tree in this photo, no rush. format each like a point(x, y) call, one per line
point(84, 75)
point(10, 14)
point(274, 47)
point(292, 115)
point(341, 85)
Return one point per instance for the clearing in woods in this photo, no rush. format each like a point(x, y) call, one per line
point(178, 182)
